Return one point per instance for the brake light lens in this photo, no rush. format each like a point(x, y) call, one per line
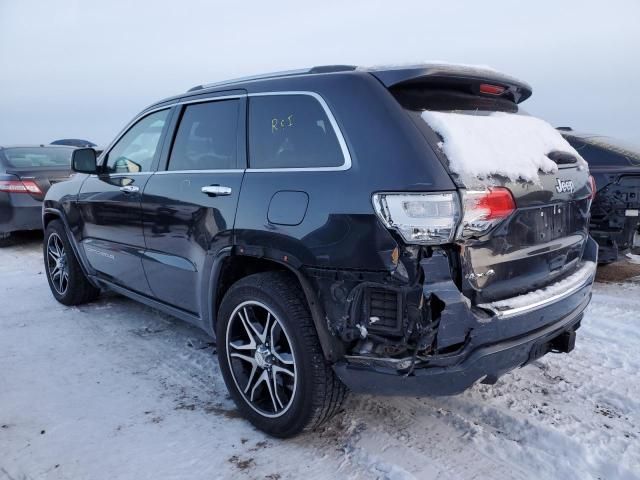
point(17, 186)
point(592, 185)
point(484, 209)
point(491, 89)
point(420, 218)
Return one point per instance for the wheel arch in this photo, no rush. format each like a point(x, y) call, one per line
point(50, 214)
point(235, 266)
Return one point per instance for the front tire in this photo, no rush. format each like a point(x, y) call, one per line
point(271, 358)
point(67, 282)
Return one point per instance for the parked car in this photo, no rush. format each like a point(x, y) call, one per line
point(74, 142)
point(26, 173)
point(615, 166)
point(325, 234)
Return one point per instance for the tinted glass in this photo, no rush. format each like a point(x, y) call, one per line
point(35, 157)
point(291, 131)
point(135, 151)
point(207, 137)
point(598, 151)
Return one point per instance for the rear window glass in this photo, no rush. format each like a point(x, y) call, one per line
point(291, 131)
point(35, 157)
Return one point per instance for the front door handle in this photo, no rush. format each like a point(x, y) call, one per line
point(130, 189)
point(216, 190)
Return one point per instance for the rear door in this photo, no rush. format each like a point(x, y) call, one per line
point(109, 203)
point(189, 208)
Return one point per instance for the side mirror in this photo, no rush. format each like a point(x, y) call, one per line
point(83, 160)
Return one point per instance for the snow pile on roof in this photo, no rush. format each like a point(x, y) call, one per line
point(498, 143)
point(472, 68)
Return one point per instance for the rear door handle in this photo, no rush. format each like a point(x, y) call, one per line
point(130, 189)
point(216, 190)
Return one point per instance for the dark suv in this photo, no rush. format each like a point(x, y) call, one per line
point(615, 213)
point(319, 228)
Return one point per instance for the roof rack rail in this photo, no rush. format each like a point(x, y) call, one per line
point(284, 73)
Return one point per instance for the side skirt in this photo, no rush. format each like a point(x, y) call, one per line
point(163, 307)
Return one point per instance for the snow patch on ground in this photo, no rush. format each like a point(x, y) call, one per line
point(505, 144)
point(116, 390)
point(633, 258)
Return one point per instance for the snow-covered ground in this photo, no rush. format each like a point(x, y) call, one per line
point(116, 390)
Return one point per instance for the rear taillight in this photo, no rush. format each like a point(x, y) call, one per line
point(20, 186)
point(484, 209)
point(422, 218)
point(592, 186)
point(434, 218)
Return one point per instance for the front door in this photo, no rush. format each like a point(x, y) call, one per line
point(109, 204)
point(189, 208)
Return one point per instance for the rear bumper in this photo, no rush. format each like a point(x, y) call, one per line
point(19, 212)
point(485, 364)
point(497, 339)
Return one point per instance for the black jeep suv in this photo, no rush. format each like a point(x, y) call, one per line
point(330, 238)
point(615, 212)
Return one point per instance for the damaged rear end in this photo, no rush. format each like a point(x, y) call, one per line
point(615, 212)
point(487, 277)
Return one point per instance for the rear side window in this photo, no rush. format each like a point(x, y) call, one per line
point(291, 131)
point(136, 149)
point(207, 137)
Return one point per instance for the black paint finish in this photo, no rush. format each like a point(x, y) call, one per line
point(175, 247)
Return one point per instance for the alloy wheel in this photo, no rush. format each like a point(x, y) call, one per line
point(57, 264)
point(261, 360)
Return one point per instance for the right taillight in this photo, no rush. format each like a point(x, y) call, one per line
point(484, 209)
point(592, 185)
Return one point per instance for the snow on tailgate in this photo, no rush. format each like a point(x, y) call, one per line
point(506, 144)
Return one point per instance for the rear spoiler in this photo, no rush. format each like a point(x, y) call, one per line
point(460, 76)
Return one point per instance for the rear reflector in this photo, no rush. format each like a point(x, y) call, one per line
point(484, 209)
point(592, 185)
point(491, 89)
point(17, 186)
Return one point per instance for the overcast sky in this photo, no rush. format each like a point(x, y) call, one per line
point(71, 68)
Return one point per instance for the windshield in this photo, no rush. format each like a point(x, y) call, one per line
point(38, 157)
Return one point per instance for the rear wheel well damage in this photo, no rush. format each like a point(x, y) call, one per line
point(235, 267)
point(380, 316)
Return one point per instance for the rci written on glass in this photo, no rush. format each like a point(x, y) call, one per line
point(279, 124)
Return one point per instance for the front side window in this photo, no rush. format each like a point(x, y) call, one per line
point(207, 137)
point(136, 149)
point(291, 131)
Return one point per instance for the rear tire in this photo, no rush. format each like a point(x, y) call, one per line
point(6, 240)
point(276, 355)
point(68, 283)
